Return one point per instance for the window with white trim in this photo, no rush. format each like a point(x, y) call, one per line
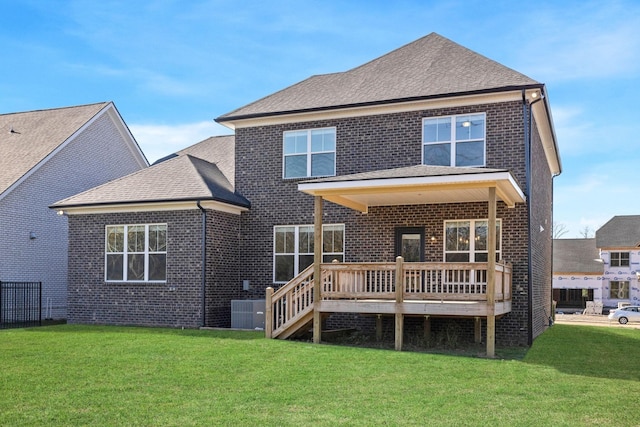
point(136, 253)
point(309, 153)
point(454, 140)
point(294, 247)
point(619, 289)
point(619, 259)
point(466, 241)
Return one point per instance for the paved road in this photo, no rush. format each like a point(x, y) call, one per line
point(592, 320)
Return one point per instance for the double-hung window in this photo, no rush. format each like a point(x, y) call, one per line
point(136, 253)
point(294, 247)
point(619, 259)
point(466, 241)
point(454, 140)
point(619, 289)
point(309, 153)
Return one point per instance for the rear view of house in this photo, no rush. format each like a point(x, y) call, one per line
point(431, 152)
point(48, 155)
point(412, 193)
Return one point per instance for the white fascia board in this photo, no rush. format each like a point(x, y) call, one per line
point(370, 110)
point(407, 182)
point(128, 137)
point(151, 207)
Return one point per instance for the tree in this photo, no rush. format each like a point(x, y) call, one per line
point(586, 232)
point(558, 230)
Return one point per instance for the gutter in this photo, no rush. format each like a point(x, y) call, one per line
point(203, 290)
point(229, 118)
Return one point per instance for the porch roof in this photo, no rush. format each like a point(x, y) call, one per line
point(415, 185)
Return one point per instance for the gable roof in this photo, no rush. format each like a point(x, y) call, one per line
point(183, 177)
point(430, 67)
point(576, 256)
point(619, 231)
point(219, 150)
point(28, 138)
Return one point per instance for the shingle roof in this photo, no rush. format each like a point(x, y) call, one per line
point(620, 231)
point(408, 172)
point(431, 66)
point(576, 256)
point(27, 138)
point(182, 178)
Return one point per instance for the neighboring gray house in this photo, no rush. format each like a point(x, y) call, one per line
point(604, 270)
point(47, 155)
point(418, 153)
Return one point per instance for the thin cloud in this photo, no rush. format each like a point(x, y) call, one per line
point(601, 41)
point(157, 141)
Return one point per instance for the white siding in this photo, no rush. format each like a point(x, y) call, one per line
point(576, 281)
point(621, 273)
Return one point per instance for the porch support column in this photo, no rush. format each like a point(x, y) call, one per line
point(491, 275)
point(399, 301)
point(317, 259)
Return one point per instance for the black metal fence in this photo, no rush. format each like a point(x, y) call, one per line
point(20, 304)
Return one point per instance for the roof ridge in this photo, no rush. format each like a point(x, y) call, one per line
point(57, 108)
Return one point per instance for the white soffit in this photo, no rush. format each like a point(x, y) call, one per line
point(361, 194)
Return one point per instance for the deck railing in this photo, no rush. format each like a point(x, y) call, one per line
point(422, 281)
point(377, 281)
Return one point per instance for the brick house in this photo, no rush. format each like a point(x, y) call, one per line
point(603, 270)
point(415, 154)
point(48, 155)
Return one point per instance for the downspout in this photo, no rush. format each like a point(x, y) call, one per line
point(203, 293)
point(527, 116)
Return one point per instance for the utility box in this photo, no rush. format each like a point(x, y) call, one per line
point(247, 314)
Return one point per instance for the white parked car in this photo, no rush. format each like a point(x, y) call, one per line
point(630, 313)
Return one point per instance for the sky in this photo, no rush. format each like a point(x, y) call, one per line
point(171, 67)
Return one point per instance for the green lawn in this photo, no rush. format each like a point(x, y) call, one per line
point(84, 375)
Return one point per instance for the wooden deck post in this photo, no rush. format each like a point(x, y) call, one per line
point(477, 330)
point(399, 300)
point(491, 275)
point(317, 260)
point(379, 327)
point(268, 314)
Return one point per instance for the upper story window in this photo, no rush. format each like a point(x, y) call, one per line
point(309, 153)
point(466, 241)
point(454, 140)
point(619, 259)
point(136, 253)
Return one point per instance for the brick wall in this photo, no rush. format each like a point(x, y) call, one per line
point(372, 143)
point(176, 303)
point(92, 300)
point(223, 261)
point(541, 237)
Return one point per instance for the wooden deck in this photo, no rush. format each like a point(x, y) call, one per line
point(428, 289)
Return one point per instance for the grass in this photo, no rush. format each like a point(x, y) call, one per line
point(86, 375)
